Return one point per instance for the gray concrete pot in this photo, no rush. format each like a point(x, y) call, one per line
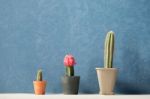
point(107, 79)
point(70, 84)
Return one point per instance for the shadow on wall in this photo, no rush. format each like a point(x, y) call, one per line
point(132, 78)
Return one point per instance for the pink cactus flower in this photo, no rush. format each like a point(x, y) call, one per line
point(69, 60)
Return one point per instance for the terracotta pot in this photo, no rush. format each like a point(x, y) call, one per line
point(70, 84)
point(39, 87)
point(107, 79)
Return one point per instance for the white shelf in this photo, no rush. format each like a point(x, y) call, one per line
point(60, 96)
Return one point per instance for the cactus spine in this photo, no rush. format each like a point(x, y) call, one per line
point(39, 75)
point(109, 50)
point(70, 71)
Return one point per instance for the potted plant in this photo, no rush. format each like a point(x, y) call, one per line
point(39, 84)
point(107, 75)
point(70, 82)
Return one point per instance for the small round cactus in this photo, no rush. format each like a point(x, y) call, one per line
point(69, 62)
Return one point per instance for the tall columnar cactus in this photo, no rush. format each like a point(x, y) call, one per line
point(109, 50)
point(39, 75)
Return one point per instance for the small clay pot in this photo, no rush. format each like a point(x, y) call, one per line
point(70, 84)
point(39, 87)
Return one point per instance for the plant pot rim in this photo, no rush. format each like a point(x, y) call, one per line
point(70, 76)
point(106, 68)
point(39, 81)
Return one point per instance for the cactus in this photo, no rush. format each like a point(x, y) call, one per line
point(69, 62)
point(109, 49)
point(39, 75)
point(70, 71)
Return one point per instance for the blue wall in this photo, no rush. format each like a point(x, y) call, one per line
point(38, 33)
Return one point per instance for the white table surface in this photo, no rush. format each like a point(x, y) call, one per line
point(61, 96)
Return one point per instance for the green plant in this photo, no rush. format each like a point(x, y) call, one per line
point(39, 75)
point(109, 50)
point(69, 62)
point(70, 71)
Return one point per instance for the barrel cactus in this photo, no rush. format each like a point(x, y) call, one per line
point(109, 50)
point(39, 75)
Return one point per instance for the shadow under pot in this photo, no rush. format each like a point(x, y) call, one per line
point(70, 84)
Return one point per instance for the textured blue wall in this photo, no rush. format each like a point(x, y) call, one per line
point(38, 33)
